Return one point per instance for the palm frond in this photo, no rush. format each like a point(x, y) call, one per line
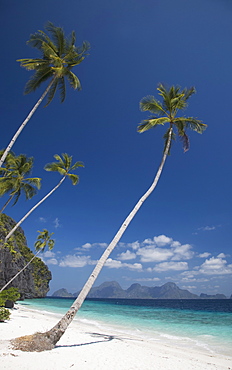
point(189, 92)
point(28, 190)
point(192, 123)
point(48, 50)
point(35, 181)
point(74, 178)
point(76, 165)
point(51, 92)
point(33, 64)
point(184, 138)
point(57, 34)
point(149, 103)
point(151, 123)
point(36, 40)
point(73, 80)
point(17, 195)
point(62, 89)
point(35, 81)
point(55, 167)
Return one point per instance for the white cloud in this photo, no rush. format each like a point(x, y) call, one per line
point(110, 263)
point(215, 266)
point(159, 241)
point(207, 228)
point(42, 219)
point(175, 266)
point(221, 255)
point(150, 254)
point(151, 250)
point(188, 287)
point(49, 254)
point(147, 279)
point(162, 240)
point(52, 261)
point(75, 261)
point(183, 252)
point(88, 246)
point(56, 222)
point(127, 256)
point(204, 255)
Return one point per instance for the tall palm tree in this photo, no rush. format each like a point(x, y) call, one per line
point(63, 166)
point(14, 181)
point(43, 240)
point(173, 100)
point(58, 57)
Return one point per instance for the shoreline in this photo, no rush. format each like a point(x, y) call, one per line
point(85, 346)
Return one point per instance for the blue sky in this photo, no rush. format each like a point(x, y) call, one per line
point(183, 231)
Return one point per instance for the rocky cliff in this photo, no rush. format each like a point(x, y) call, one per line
point(33, 282)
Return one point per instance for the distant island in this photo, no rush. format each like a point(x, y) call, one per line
point(112, 289)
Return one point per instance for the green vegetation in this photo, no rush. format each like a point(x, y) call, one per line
point(4, 314)
point(13, 180)
point(173, 100)
point(59, 56)
point(63, 166)
point(11, 294)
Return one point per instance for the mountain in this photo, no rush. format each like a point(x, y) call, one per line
point(33, 282)
point(112, 289)
point(214, 296)
point(63, 293)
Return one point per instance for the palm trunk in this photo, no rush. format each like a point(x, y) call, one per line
point(32, 209)
point(25, 122)
point(15, 276)
point(58, 330)
point(6, 204)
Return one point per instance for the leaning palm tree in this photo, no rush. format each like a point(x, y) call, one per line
point(173, 100)
point(14, 180)
point(43, 240)
point(58, 57)
point(63, 166)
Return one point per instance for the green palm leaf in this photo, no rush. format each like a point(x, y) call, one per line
point(151, 123)
point(59, 56)
point(151, 104)
point(73, 80)
point(74, 178)
point(63, 166)
point(174, 99)
point(62, 89)
point(192, 123)
point(35, 81)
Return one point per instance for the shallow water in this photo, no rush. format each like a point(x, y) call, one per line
point(200, 324)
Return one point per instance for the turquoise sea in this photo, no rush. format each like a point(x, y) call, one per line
point(201, 324)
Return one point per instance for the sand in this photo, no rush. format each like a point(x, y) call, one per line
point(85, 346)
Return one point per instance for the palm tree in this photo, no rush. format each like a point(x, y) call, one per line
point(173, 100)
point(63, 166)
point(43, 240)
point(58, 57)
point(14, 181)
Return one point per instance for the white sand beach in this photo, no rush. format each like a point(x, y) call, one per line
point(84, 346)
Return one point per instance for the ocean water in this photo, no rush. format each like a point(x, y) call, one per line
point(205, 325)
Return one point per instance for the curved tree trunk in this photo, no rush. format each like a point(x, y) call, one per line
point(54, 335)
point(15, 276)
point(32, 209)
point(25, 122)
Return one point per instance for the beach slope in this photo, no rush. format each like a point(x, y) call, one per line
point(85, 346)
